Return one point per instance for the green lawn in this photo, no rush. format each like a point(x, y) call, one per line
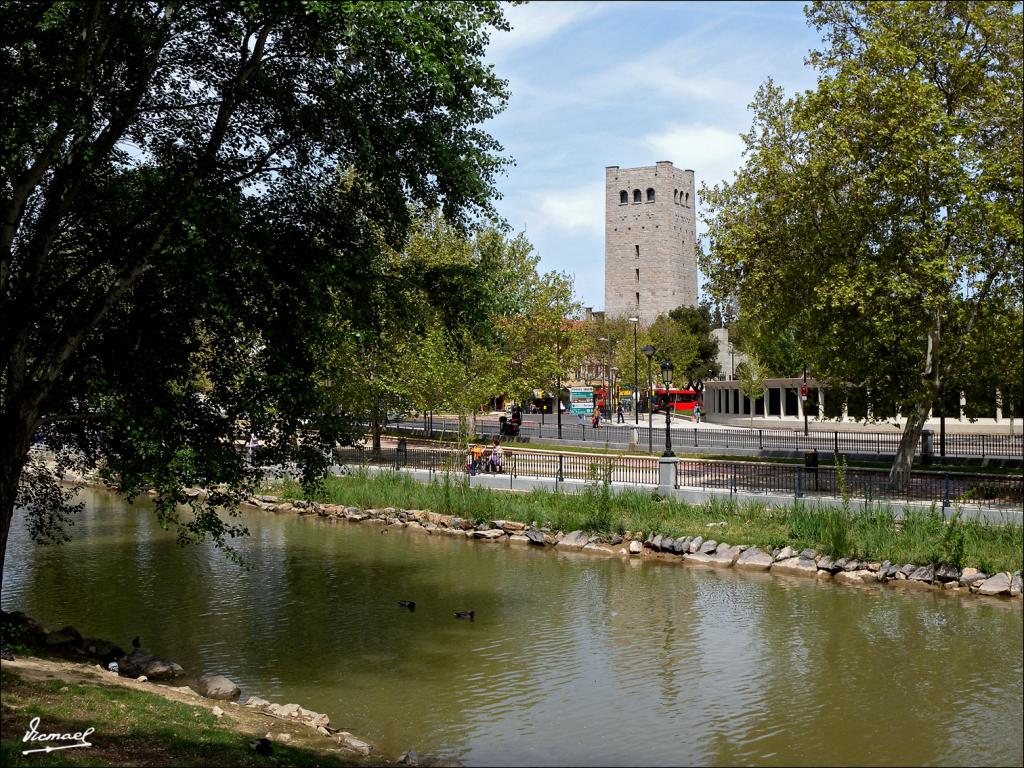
point(132, 728)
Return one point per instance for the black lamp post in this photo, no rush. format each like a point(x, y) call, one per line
point(636, 377)
point(649, 352)
point(558, 385)
point(666, 376)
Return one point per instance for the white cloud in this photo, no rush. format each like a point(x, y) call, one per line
point(577, 209)
point(713, 152)
point(535, 22)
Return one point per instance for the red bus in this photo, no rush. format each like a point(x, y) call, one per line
point(681, 400)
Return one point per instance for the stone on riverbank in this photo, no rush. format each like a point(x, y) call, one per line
point(102, 649)
point(925, 573)
point(695, 545)
point(140, 662)
point(492, 534)
point(217, 687)
point(708, 547)
point(509, 526)
point(826, 563)
point(946, 572)
point(754, 559)
point(1015, 585)
point(698, 557)
point(797, 565)
point(573, 540)
point(635, 547)
point(535, 536)
point(348, 741)
point(863, 576)
point(63, 637)
point(995, 585)
point(785, 553)
point(681, 545)
point(724, 556)
point(518, 538)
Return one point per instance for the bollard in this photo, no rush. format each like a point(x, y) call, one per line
point(695, 437)
point(945, 492)
point(733, 478)
point(561, 476)
point(760, 439)
point(799, 482)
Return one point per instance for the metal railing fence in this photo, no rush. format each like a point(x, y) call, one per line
point(733, 476)
point(880, 443)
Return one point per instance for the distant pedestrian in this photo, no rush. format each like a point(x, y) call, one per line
point(595, 421)
point(696, 412)
point(495, 460)
point(620, 418)
point(579, 418)
point(477, 454)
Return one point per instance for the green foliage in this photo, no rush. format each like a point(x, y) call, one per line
point(753, 378)
point(877, 221)
point(200, 211)
point(697, 322)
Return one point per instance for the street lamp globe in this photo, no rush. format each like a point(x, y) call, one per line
point(666, 373)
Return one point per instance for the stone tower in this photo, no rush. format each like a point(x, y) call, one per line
point(650, 234)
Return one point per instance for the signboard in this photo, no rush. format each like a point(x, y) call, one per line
point(581, 400)
point(803, 392)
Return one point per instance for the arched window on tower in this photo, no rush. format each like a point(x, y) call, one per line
point(650, 195)
point(687, 198)
point(623, 197)
point(636, 196)
point(675, 195)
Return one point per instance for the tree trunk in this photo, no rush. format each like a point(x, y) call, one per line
point(899, 474)
point(16, 442)
point(375, 429)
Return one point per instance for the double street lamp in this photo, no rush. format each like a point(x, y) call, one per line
point(666, 376)
point(649, 352)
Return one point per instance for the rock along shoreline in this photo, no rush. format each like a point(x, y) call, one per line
point(693, 550)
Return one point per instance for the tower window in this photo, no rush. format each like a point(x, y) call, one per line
point(687, 198)
point(650, 195)
point(637, 251)
point(623, 197)
point(675, 195)
point(638, 274)
point(636, 196)
point(638, 299)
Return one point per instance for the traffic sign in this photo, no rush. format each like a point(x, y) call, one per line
point(803, 392)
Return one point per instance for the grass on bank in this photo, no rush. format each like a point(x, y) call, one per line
point(876, 533)
point(132, 728)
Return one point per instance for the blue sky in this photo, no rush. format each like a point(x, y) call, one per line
point(627, 84)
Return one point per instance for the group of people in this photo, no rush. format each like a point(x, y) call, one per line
point(479, 460)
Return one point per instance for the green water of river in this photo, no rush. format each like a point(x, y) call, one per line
point(571, 659)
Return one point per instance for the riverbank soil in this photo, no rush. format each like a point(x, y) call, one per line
point(141, 723)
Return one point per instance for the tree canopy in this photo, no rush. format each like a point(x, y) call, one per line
point(877, 217)
point(195, 198)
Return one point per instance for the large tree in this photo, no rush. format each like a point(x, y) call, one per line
point(878, 215)
point(188, 191)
